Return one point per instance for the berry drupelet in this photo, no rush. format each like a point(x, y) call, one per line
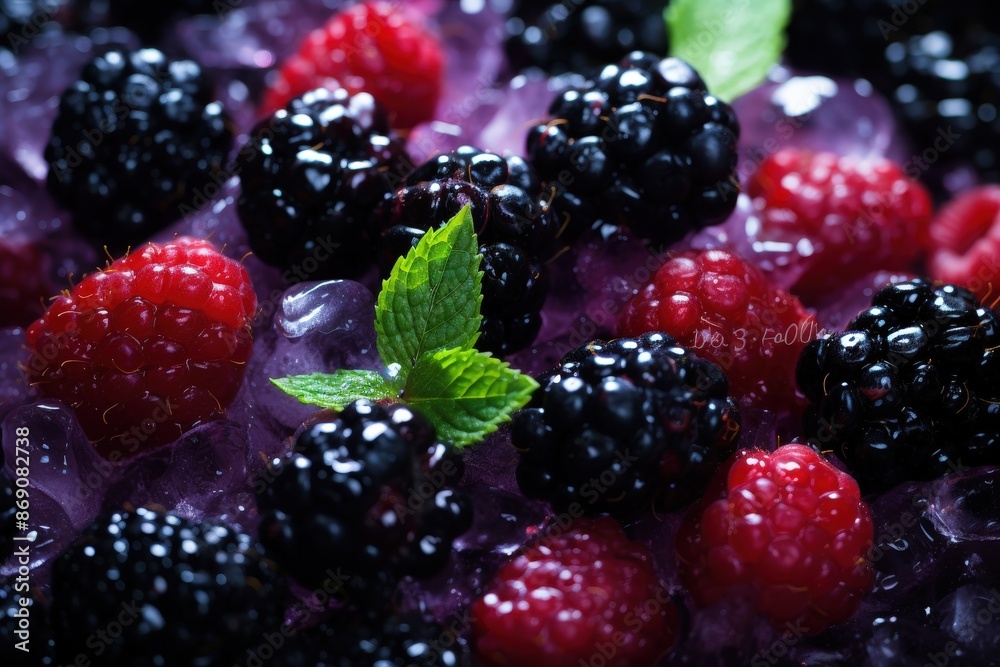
point(311, 175)
point(156, 589)
point(558, 38)
point(842, 215)
point(376, 47)
point(787, 530)
point(148, 348)
point(643, 145)
point(722, 307)
point(369, 496)
point(138, 142)
point(517, 234)
point(568, 594)
point(623, 426)
point(910, 390)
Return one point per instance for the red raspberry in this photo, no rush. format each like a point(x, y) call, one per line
point(568, 597)
point(369, 47)
point(965, 237)
point(721, 307)
point(23, 285)
point(787, 529)
point(844, 217)
point(149, 347)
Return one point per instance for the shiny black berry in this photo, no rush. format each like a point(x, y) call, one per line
point(516, 229)
point(582, 35)
point(362, 501)
point(643, 146)
point(139, 141)
point(623, 426)
point(907, 391)
point(405, 640)
point(147, 589)
point(311, 175)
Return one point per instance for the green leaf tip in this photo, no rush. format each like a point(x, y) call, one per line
point(338, 389)
point(466, 394)
point(731, 43)
point(433, 296)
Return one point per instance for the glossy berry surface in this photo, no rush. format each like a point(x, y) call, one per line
point(374, 47)
point(909, 389)
point(787, 530)
point(139, 141)
point(516, 230)
point(625, 426)
point(149, 347)
point(580, 37)
point(643, 146)
point(399, 639)
point(965, 242)
point(845, 217)
point(721, 307)
point(370, 494)
point(163, 590)
point(566, 595)
point(310, 177)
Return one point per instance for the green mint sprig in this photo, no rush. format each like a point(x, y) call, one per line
point(732, 43)
point(427, 320)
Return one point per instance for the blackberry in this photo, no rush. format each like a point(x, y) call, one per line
point(938, 64)
point(362, 501)
point(406, 640)
point(516, 230)
point(624, 424)
point(138, 142)
point(910, 390)
point(560, 37)
point(311, 175)
point(643, 145)
point(148, 588)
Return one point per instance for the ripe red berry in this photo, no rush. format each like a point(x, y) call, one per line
point(785, 528)
point(965, 237)
point(371, 47)
point(720, 306)
point(567, 598)
point(149, 347)
point(840, 216)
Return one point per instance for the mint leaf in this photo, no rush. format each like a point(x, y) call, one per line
point(465, 393)
point(431, 299)
point(338, 389)
point(732, 43)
